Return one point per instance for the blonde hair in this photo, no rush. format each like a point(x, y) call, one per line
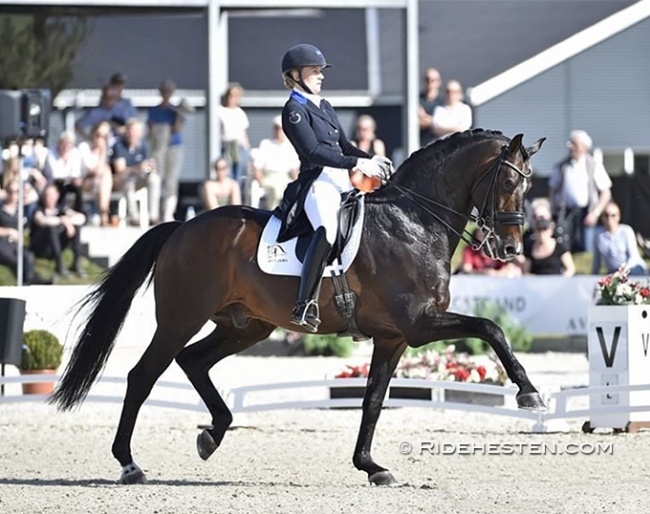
point(287, 80)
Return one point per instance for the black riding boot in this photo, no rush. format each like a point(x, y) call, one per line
point(305, 313)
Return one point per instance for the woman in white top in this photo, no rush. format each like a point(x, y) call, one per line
point(455, 115)
point(98, 178)
point(234, 131)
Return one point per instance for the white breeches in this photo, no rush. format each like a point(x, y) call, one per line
point(324, 199)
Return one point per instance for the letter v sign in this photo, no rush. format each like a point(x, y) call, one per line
point(609, 357)
point(646, 339)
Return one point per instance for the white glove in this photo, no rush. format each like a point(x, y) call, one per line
point(386, 166)
point(369, 167)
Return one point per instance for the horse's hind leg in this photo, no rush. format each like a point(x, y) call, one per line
point(385, 357)
point(196, 361)
point(164, 346)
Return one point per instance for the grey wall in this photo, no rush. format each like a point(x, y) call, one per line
point(603, 90)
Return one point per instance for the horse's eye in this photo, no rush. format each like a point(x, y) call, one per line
point(509, 184)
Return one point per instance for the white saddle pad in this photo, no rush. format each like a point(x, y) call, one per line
point(280, 258)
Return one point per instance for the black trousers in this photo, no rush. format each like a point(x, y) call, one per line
point(571, 228)
point(49, 243)
point(9, 258)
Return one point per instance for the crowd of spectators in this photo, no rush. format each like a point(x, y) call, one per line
point(113, 153)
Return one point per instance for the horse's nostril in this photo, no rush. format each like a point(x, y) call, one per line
point(511, 250)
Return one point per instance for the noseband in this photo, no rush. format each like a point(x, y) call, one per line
point(488, 214)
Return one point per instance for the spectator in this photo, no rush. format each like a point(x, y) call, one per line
point(453, 115)
point(165, 123)
point(9, 239)
point(221, 189)
point(477, 263)
point(275, 164)
point(544, 254)
point(103, 112)
point(365, 137)
point(579, 189)
point(615, 245)
point(95, 161)
point(34, 179)
point(123, 110)
point(134, 170)
point(63, 168)
point(430, 98)
point(234, 132)
point(55, 228)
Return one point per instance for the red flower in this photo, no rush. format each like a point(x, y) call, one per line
point(461, 374)
point(481, 371)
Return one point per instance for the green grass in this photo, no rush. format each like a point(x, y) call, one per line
point(45, 268)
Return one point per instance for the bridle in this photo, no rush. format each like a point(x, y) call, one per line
point(488, 214)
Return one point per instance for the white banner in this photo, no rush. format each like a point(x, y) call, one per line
point(545, 305)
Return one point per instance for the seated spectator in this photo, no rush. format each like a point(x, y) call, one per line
point(55, 228)
point(544, 254)
point(34, 179)
point(9, 239)
point(134, 170)
point(615, 245)
point(477, 263)
point(98, 177)
point(221, 189)
point(275, 164)
point(365, 137)
point(63, 168)
point(454, 115)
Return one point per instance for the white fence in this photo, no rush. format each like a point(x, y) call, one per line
point(241, 400)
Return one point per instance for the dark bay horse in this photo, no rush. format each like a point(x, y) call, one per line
point(205, 269)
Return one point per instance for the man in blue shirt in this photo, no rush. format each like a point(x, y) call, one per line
point(133, 170)
point(165, 123)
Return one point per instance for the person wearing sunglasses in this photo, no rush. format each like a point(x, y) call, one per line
point(615, 245)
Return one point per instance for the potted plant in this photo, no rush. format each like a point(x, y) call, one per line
point(42, 354)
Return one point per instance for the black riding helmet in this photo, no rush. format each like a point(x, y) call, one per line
point(302, 55)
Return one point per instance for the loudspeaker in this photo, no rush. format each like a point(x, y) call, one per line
point(10, 113)
point(12, 318)
point(35, 112)
point(24, 113)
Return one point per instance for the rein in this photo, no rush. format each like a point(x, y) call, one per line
point(487, 214)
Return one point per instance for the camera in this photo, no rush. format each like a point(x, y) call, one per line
point(24, 113)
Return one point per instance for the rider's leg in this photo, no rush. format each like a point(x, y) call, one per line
point(321, 206)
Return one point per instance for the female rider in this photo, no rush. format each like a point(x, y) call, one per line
point(326, 156)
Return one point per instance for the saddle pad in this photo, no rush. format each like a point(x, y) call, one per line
point(280, 258)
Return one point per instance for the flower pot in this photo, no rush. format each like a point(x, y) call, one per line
point(38, 387)
point(491, 400)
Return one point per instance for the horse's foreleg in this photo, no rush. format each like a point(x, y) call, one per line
point(449, 325)
point(385, 357)
point(196, 361)
point(141, 379)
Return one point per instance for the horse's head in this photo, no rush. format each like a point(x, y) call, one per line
point(499, 194)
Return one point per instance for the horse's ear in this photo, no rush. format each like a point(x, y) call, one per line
point(515, 144)
point(534, 148)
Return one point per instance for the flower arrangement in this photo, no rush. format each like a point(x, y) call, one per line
point(618, 289)
point(432, 365)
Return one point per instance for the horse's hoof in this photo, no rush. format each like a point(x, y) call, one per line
point(132, 474)
point(383, 478)
point(205, 445)
point(531, 401)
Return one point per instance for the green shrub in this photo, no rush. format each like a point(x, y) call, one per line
point(328, 345)
point(41, 350)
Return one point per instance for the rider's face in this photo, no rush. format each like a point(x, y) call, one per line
point(313, 77)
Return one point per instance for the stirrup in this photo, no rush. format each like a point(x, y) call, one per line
point(307, 315)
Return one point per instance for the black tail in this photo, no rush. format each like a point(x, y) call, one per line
point(110, 302)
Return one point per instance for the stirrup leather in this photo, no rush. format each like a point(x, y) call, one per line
point(307, 315)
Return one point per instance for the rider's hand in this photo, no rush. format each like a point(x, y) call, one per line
point(385, 164)
point(369, 167)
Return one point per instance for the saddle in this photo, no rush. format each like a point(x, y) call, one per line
point(286, 258)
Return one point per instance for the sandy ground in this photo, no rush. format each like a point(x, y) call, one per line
point(300, 461)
